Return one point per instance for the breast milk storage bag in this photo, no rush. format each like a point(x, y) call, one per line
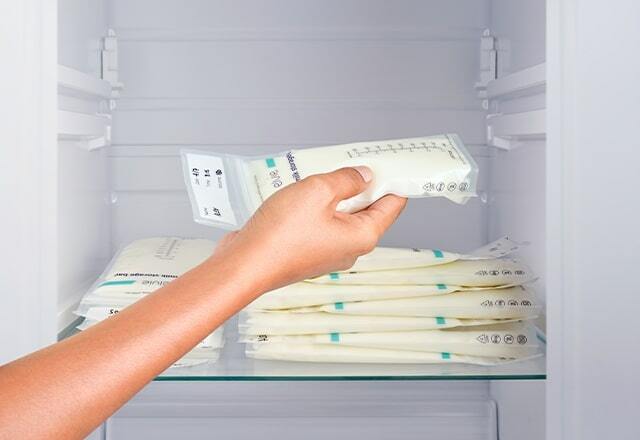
point(225, 190)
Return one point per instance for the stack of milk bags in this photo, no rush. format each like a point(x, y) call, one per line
point(140, 268)
point(402, 306)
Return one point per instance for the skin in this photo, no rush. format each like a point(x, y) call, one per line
point(67, 389)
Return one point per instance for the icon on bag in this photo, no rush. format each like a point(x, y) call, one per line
point(508, 339)
point(429, 187)
point(522, 339)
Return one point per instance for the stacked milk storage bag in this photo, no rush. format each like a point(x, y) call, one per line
point(402, 306)
point(140, 268)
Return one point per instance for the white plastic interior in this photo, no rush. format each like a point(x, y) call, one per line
point(255, 77)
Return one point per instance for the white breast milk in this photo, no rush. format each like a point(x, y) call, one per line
point(345, 354)
point(225, 190)
point(513, 340)
point(148, 264)
point(513, 302)
point(286, 323)
point(478, 273)
point(418, 167)
point(385, 258)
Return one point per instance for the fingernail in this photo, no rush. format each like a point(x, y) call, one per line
point(365, 172)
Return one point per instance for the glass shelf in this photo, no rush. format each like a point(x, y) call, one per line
point(234, 366)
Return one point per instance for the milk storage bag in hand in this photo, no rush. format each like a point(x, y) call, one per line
point(225, 190)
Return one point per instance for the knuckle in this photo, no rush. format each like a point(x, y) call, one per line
point(368, 246)
point(347, 263)
point(367, 240)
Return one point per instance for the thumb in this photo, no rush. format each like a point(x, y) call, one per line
point(349, 182)
point(383, 212)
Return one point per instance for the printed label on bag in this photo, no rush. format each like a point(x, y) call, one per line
point(207, 178)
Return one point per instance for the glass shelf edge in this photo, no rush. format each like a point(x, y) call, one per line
point(233, 354)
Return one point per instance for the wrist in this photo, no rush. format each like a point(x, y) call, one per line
point(236, 273)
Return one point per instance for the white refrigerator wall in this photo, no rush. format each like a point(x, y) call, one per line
point(593, 238)
point(28, 158)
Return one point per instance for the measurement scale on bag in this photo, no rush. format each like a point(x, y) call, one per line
point(398, 148)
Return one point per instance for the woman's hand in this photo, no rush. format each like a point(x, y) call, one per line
point(297, 232)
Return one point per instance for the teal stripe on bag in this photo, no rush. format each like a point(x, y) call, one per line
point(339, 306)
point(270, 162)
point(440, 320)
point(442, 286)
point(445, 355)
point(334, 275)
point(335, 337)
point(117, 283)
point(438, 253)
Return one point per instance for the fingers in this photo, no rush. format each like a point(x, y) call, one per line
point(347, 182)
point(383, 212)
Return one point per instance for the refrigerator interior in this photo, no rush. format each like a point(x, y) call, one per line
point(257, 77)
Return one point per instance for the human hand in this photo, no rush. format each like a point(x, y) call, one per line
point(298, 234)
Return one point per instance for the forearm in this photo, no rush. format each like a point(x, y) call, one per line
point(65, 390)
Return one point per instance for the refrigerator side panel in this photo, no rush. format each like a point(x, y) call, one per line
point(593, 220)
point(27, 181)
